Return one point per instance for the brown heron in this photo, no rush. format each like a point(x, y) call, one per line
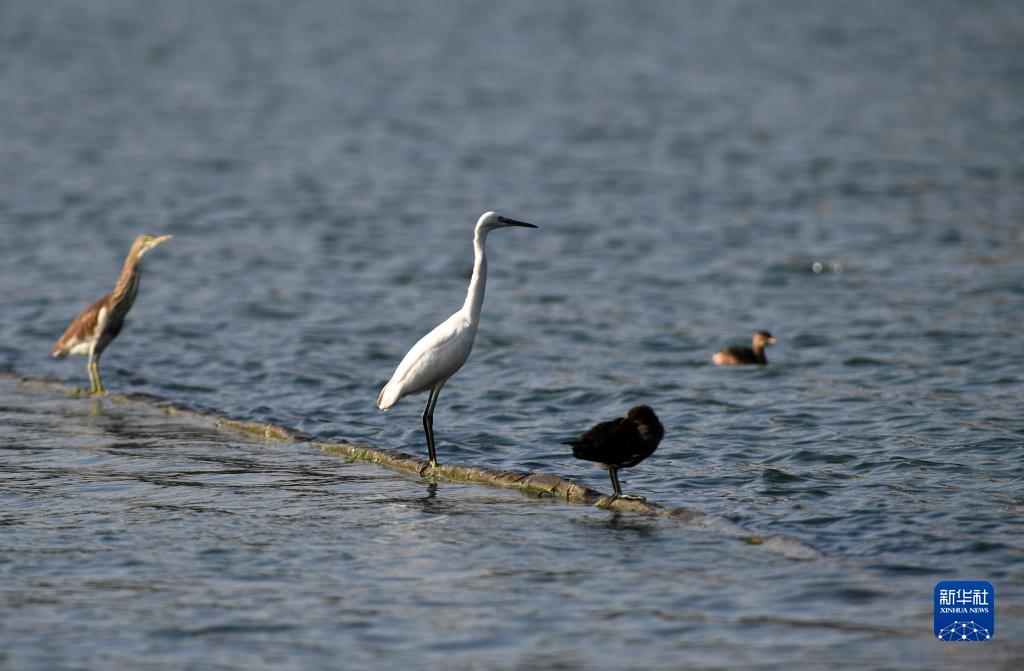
point(621, 443)
point(100, 323)
point(738, 354)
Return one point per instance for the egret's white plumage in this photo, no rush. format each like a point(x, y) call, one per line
point(436, 356)
point(442, 352)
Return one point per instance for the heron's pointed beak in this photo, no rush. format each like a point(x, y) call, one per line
point(771, 341)
point(152, 242)
point(512, 222)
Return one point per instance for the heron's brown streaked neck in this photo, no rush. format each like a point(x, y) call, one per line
point(475, 295)
point(128, 282)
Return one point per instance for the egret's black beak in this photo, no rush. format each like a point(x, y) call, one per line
point(513, 222)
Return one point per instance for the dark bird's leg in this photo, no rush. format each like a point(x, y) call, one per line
point(428, 423)
point(614, 473)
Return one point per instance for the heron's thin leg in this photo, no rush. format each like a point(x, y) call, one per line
point(614, 473)
point(96, 383)
point(91, 367)
point(428, 425)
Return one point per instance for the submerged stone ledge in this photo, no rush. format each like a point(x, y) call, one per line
point(535, 484)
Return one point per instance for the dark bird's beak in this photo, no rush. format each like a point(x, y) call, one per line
point(513, 222)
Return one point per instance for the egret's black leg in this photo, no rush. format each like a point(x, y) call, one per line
point(430, 421)
point(428, 425)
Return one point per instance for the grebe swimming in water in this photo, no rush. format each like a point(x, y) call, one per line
point(621, 443)
point(731, 356)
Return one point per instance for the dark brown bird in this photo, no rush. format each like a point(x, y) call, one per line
point(738, 354)
point(621, 443)
point(95, 328)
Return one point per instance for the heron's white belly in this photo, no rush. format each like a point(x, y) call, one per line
point(81, 349)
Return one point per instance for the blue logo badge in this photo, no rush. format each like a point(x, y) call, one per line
point(965, 610)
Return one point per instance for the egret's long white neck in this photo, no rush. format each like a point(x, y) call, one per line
point(475, 295)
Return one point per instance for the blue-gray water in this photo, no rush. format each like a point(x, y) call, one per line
point(321, 165)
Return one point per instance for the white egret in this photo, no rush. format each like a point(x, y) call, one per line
point(440, 354)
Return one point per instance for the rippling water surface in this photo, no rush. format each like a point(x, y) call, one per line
point(849, 177)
